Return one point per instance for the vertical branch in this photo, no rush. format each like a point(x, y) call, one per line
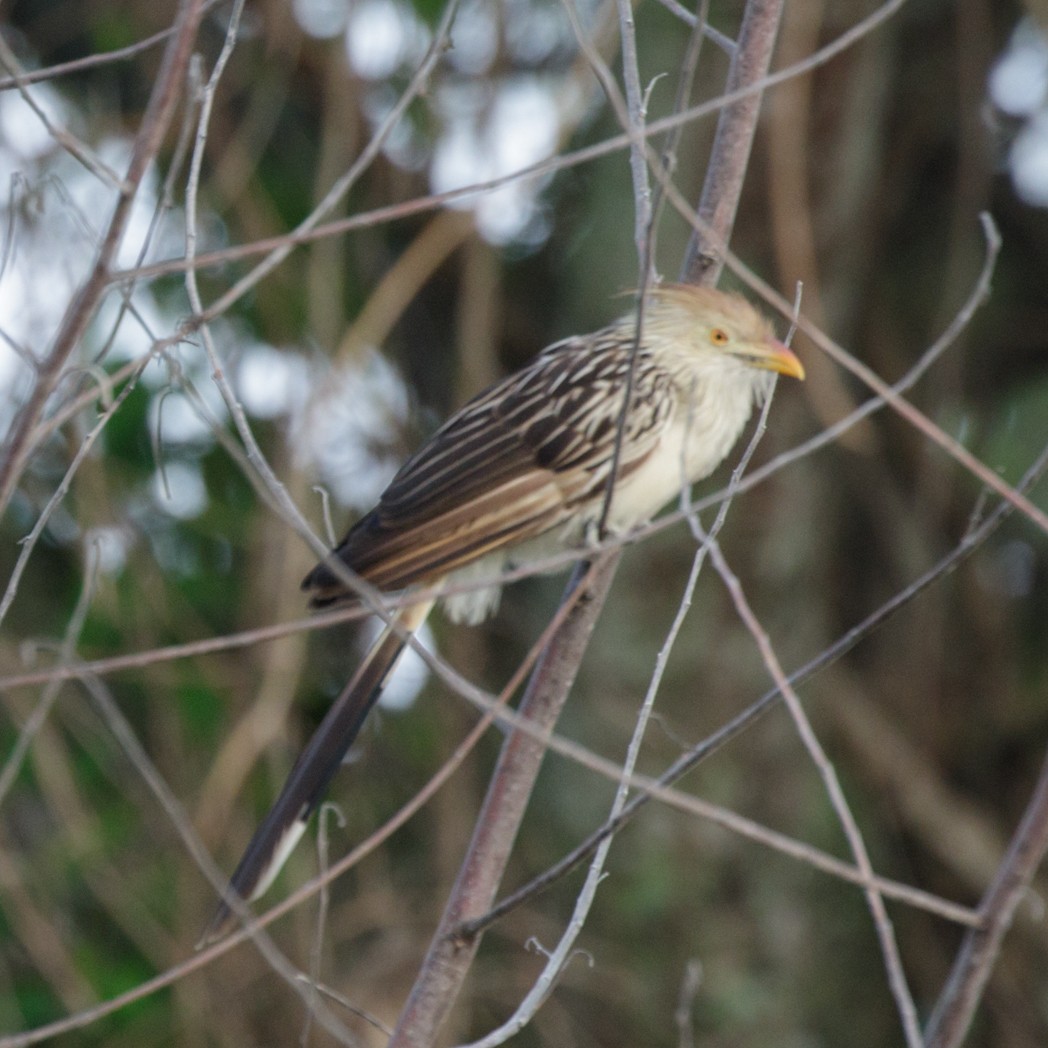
point(447, 962)
point(642, 206)
point(732, 143)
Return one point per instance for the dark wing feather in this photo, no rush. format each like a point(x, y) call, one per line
point(513, 463)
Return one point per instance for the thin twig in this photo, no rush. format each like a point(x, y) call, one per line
point(327, 813)
point(29, 542)
point(689, 988)
point(685, 84)
point(63, 137)
point(177, 816)
point(882, 922)
point(93, 61)
point(553, 165)
point(251, 927)
point(66, 654)
point(970, 542)
point(82, 306)
point(345, 183)
point(630, 113)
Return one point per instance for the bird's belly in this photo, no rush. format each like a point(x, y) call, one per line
point(687, 455)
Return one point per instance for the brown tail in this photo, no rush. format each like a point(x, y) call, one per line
point(281, 829)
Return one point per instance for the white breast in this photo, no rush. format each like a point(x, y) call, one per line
point(709, 418)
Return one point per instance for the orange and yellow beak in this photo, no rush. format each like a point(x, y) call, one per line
point(774, 356)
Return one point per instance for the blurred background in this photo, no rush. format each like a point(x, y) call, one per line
point(867, 181)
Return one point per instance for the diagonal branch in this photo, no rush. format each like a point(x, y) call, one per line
point(82, 306)
point(978, 954)
point(564, 161)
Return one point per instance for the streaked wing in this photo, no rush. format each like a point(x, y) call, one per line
point(515, 462)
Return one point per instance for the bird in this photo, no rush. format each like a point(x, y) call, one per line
point(521, 472)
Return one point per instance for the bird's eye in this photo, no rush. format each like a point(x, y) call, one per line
point(719, 337)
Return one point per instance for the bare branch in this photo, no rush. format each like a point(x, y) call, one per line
point(563, 161)
point(731, 146)
point(955, 1009)
point(155, 123)
point(882, 922)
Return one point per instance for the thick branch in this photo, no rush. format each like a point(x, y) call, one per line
point(732, 143)
point(514, 776)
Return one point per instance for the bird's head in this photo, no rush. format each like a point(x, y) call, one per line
point(713, 329)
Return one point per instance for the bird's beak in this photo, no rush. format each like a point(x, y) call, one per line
point(774, 356)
